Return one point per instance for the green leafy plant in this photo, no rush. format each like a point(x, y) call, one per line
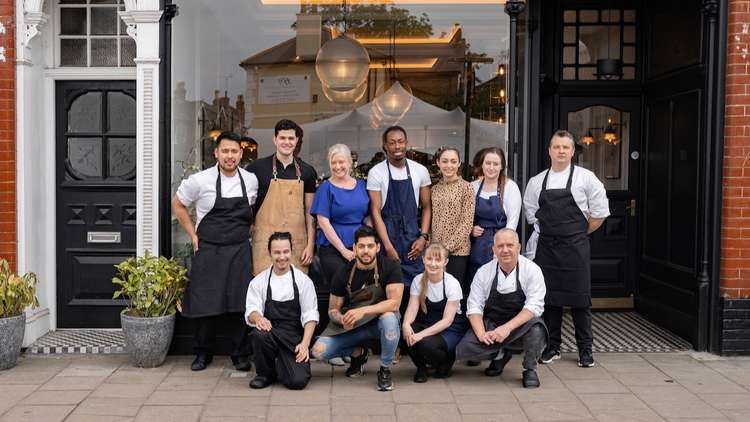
point(153, 284)
point(16, 292)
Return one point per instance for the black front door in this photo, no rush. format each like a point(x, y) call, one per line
point(96, 206)
point(608, 132)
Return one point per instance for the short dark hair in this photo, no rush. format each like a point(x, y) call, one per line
point(286, 124)
point(230, 136)
point(279, 236)
point(562, 133)
point(366, 231)
point(393, 128)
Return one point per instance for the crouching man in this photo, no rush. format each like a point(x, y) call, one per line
point(364, 301)
point(504, 308)
point(281, 304)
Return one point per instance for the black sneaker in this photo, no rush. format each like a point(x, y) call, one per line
point(385, 381)
point(586, 358)
point(497, 365)
point(356, 366)
point(201, 362)
point(530, 379)
point(421, 375)
point(242, 363)
point(550, 355)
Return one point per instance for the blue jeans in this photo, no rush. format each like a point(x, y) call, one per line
point(385, 328)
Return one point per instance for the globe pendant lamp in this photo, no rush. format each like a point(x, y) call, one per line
point(587, 139)
point(342, 64)
point(393, 104)
point(346, 97)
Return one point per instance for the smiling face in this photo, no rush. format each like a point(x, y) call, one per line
point(506, 248)
point(281, 255)
point(435, 262)
point(491, 166)
point(561, 150)
point(340, 165)
point(395, 146)
point(366, 249)
point(228, 154)
point(449, 163)
point(286, 141)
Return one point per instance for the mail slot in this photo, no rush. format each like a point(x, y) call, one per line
point(103, 237)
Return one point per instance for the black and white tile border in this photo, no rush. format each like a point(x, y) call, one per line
point(79, 341)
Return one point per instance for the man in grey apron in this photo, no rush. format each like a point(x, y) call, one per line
point(363, 307)
point(504, 308)
point(283, 307)
point(222, 266)
point(566, 203)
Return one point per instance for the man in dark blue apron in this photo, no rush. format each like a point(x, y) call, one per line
point(222, 266)
point(282, 305)
point(504, 309)
point(566, 204)
point(398, 187)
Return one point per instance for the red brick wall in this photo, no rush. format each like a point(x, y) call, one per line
point(8, 133)
point(735, 231)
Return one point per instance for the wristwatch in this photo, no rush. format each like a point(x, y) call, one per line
point(426, 236)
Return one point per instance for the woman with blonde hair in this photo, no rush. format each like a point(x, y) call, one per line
point(433, 324)
point(341, 206)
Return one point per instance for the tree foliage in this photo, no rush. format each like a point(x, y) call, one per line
point(154, 285)
point(374, 20)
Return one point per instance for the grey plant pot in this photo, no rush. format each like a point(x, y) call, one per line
point(147, 340)
point(11, 339)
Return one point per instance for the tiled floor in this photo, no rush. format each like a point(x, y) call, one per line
point(622, 387)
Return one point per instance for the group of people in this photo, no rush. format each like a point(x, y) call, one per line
point(453, 245)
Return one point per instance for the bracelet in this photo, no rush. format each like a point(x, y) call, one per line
point(426, 236)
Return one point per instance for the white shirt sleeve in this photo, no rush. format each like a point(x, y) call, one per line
point(256, 295)
point(453, 289)
point(424, 175)
point(189, 191)
point(308, 300)
point(597, 196)
point(416, 285)
point(531, 197)
point(532, 283)
point(251, 185)
point(480, 288)
point(375, 179)
point(512, 204)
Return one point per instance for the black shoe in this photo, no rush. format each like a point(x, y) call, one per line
point(242, 363)
point(586, 358)
point(385, 381)
point(550, 355)
point(201, 362)
point(260, 382)
point(442, 371)
point(497, 365)
point(356, 366)
point(530, 379)
point(472, 363)
point(421, 375)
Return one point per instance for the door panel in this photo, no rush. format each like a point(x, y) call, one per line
point(96, 208)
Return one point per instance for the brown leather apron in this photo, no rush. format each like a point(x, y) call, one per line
point(283, 210)
point(369, 294)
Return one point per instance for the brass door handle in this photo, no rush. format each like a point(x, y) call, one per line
point(631, 207)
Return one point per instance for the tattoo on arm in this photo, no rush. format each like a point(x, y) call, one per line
point(334, 308)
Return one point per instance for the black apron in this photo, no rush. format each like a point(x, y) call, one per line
point(285, 317)
point(503, 307)
point(563, 251)
point(222, 266)
point(489, 214)
point(368, 294)
point(454, 333)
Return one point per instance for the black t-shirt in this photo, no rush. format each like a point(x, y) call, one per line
point(389, 272)
point(263, 169)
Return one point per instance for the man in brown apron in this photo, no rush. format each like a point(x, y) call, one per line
point(363, 307)
point(504, 309)
point(286, 188)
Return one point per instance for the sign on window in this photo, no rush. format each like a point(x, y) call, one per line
point(284, 89)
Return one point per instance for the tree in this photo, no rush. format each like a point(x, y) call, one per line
point(373, 20)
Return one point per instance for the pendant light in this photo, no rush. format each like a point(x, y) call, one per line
point(609, 68)
point(342, 64)
point(587, 139)
point(346, 97)
point(394, 103)
point(610, 134)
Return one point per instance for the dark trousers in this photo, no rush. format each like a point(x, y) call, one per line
point(275, 362)
point(457, 268)
point(581, 321)
point(432, 350)
point(331, 262)
point(204, 341)
point(532, 342)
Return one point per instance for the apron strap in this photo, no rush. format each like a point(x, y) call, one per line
point(497, 277)
point(499, 191)
point(268, 288)
point(376, 276)
point(570, 178)
point(218, 183)
point(297, 170)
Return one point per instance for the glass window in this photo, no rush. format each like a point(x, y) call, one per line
point(91, 33)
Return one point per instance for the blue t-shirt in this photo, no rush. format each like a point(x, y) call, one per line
point(346, 209)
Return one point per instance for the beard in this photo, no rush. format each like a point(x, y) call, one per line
point(366, 260)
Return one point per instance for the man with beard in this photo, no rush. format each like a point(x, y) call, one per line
point(363, 307)
point(285, 196)
point(281, 304)
point(221, 270)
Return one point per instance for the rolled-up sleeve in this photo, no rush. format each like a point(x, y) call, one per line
point(256, 297)
point(535, 290)
point(597, 195)
point(512, 204)
point(308, 301)
point(480, 290)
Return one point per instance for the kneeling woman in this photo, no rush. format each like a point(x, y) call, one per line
point(433, 323)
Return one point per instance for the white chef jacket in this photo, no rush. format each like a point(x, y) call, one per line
point(377, 178)
point(200, 189)
point(587, 190)
point(512, 201)
point(531, 280)
point(282, 290)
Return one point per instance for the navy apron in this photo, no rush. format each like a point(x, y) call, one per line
point(489, 214)
point(454, 333)
point(285, 317)
point(401, 217)
point(222, 266)
point(563, 251)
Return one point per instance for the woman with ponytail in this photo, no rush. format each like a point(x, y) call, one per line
point(433, 324)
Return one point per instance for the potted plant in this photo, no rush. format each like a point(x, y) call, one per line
point(154, 286)
point(16, 294)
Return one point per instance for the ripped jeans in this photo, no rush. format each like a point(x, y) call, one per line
point(385, 328)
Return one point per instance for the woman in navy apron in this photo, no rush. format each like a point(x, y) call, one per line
point(433, 324)
point(498, 205)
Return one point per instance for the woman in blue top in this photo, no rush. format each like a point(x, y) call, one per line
point(341, 206)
